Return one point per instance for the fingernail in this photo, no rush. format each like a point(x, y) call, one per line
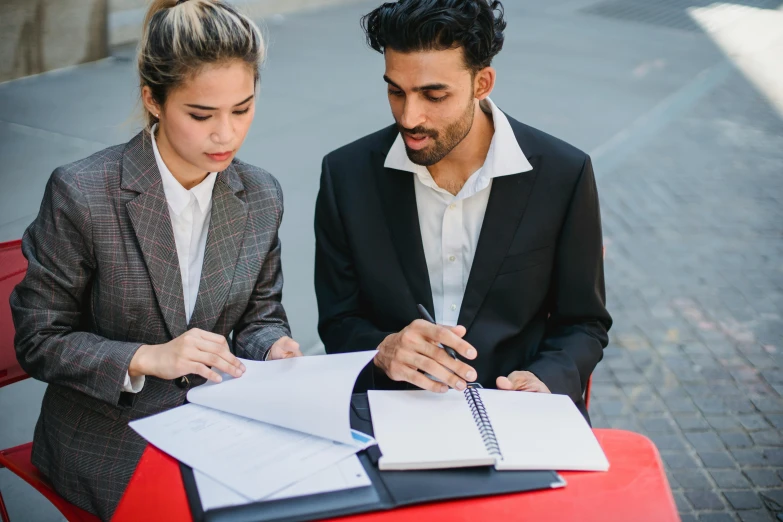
point(218, 378)
point(471, 376)
point(461, 385)
point(471, 353)
point(444, 389)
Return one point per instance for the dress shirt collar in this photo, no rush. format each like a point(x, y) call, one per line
point(504, 157)
point(178, 196)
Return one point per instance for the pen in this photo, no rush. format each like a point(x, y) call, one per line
point(427, 317)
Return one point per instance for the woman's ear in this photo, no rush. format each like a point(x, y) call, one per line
point(484, 82)
point(149, 102)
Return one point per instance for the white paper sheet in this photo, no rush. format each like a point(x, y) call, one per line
point(346, 474)
point(542, 431)
point(253, 458)
point(309, 394)
point(423, 430)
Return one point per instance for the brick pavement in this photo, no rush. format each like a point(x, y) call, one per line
point(693, 222)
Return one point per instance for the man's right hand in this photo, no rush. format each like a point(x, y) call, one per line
point(196, 351)
point(415, 348)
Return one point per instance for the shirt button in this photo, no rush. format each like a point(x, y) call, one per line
point(453, 307)
point(452, 258)
point(453, 206)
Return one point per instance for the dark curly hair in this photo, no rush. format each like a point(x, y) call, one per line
point(424, 25)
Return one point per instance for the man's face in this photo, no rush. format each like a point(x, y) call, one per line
point(431, 94)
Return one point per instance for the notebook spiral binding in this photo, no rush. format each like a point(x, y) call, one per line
point(481, 418)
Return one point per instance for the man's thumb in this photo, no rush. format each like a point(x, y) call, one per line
point(504, 383)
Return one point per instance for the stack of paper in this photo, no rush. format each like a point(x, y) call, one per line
point(346, 474)
point(280, 430)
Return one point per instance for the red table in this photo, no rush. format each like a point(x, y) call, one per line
point(635, 488)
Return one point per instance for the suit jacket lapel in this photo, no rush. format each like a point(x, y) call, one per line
point(507, 202)
point(224, 239)
point(399, 204)
point(149, 215)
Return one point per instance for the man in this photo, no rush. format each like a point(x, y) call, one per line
point(491, 225)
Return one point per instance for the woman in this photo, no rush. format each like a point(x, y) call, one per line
point(146, 256)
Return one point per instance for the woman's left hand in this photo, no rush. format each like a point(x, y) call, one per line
point(284, 348)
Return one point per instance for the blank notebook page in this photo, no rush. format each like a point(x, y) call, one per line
point(542, 431)
point(424, 430)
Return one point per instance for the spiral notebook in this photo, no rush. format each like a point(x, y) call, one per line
point(509, 430)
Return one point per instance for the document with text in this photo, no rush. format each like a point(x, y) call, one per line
point(346, 474)
point(259, 447)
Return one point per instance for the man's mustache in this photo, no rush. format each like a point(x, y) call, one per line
point(418, 131)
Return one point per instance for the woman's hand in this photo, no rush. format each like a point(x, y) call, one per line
point(195, 351)
point(284, 348)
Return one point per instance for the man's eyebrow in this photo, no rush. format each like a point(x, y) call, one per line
point(428, 87)
point(390, 82)
point(205, 108)
point(431, 87)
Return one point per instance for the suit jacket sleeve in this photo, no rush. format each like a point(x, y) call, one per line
point(52, 301)
point(577, 327)
point(264, 320)
point(341, 324)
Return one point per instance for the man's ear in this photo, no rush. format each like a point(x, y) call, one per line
point(483, 82)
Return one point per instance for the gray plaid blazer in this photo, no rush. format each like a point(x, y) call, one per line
point(103, 279)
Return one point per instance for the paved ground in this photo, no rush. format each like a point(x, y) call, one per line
point(696, 289)
point(688, 151)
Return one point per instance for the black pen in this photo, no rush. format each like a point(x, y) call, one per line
point(427, 317)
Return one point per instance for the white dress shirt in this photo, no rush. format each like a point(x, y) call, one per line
point(189, 211)
point(450, 225)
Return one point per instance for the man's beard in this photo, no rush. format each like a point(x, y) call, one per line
point(441, 146)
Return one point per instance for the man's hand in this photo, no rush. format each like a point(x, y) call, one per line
point(522, 381)
point(195, 351)
point(284, 348)
point(415, 348)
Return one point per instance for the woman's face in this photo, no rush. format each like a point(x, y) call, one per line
point(205, 120)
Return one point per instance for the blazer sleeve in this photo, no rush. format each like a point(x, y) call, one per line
point(341, 324)
point(51, 304)
point(576, 332)
point(264, 320)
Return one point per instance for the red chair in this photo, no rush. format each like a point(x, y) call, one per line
point(12, 269)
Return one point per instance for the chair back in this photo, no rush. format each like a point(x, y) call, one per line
point(13, 266)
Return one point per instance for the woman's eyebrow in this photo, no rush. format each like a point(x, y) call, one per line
point(205, 108)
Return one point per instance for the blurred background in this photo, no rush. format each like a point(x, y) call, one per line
point(679, 103)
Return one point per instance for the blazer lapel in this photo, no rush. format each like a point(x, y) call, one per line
point(224, 239)
point(402, 218)
point(507, 203)
point(149, 215)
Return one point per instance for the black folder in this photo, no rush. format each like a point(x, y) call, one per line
point(390, 489)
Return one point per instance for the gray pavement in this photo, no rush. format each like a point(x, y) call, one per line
point(689, 158)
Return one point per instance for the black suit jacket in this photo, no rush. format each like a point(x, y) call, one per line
point(535, 296)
